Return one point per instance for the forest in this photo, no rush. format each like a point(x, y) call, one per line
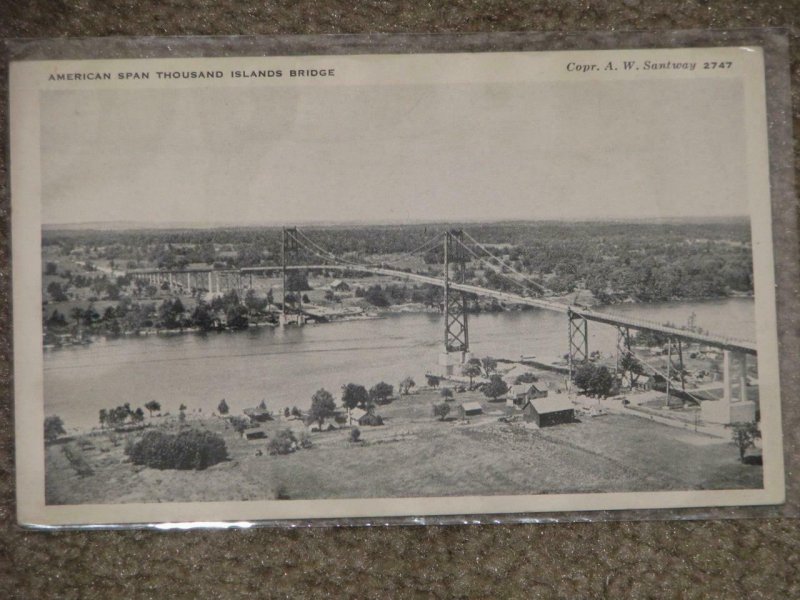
point(617, 261)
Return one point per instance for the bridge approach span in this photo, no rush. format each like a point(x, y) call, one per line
point(717, 341)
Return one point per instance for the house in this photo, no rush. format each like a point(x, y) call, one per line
point(470, 409)
point(337, 285)
point(548, 411)
point(356, 414)
point(519, 394)
point(258, 414)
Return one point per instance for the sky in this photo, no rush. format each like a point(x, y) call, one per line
point(379, 154)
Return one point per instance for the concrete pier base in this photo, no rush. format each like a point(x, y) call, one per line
point(724, 412)
point(452, 361)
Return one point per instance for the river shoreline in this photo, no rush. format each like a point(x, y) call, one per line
point(377, 313)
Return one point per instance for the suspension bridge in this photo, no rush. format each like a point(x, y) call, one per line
point(459, 250)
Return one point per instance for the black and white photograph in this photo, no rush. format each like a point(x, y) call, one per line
point(393, 285)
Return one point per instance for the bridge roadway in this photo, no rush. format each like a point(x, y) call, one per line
point(717, 341)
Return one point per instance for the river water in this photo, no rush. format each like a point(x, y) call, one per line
point(285, 366)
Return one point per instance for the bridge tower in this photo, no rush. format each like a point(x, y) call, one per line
point(578, 341)
point(290, 247)
point(456, 325)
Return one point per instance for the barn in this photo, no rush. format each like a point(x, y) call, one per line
point(254, 434)
point(548, 411)
point(470, 409)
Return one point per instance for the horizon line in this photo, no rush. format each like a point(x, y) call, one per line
point(144, 225)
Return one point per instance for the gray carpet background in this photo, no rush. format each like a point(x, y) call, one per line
point(744, 558)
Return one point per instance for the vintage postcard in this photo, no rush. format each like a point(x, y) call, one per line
point(392, 285)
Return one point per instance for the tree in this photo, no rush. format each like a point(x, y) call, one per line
point(471, 370)
point(253, 302)
point(375, 296)
point(496, 387)
point(286, 412)
point(433, 380)
point(202, 317)
point(182, 407)
point(355, 435)
point(103, 417)
point(53, 427)
point(137, 416)
point(380, 392)
point(404, 387)
point(631, 365)
point(262, 405)
point(583, 376)
point(297, 281)
point(56, 291)
point(526, 378)
point(489, 365)
point(601, 382)
point(744, 436)
point(152, 406)
point(441, 410)
point(354, 395)
point(222, 407)
point(322, 407)
point(77, 314)
point(236, 316)
point(446, 393)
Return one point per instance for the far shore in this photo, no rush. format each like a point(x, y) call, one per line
point(375, 313)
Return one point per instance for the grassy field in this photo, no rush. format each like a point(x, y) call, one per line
point(415, 455)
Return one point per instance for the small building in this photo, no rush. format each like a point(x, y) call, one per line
point(258, 414)
point(356, 414)
point(337, 285)
point(548, 411)
point(519, 394)
point(470, 409)
point(254, 433)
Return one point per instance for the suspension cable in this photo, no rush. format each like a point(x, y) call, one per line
point(506, 265)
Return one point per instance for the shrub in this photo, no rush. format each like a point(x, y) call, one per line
point(305, 440)
point(526, 378)
point(53, 427)
point(371, 420)
point(355, 434)
point(77, 460)
point(239, 423)
point(189, 449)
point(284, 442)
point(441, 410)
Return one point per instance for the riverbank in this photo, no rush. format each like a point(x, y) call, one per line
point(413, 454)
point(331, 316)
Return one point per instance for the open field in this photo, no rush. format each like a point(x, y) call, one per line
point(416, 455)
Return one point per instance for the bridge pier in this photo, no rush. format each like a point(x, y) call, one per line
point(623, 352)
point(290, 246)
point(578, 341)
point(456, 325)
point(734, 406)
